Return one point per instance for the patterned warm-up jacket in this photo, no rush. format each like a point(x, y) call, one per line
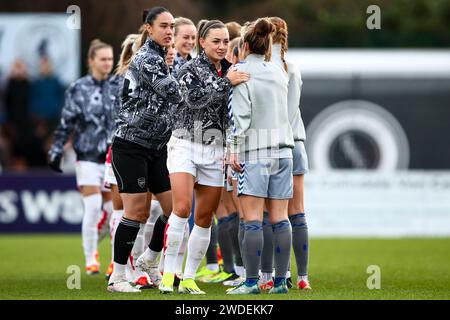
point(150, 96)
point(87, 116)
point(179, 62)
point(202, 116)
point(119, 79)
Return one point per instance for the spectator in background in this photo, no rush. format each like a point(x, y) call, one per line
point(3, 142)
point(26, 150)
point(185, 34)
point(234, 29)
point(45, 99)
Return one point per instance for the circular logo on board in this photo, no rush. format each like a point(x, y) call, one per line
point(357, 134)
point(42, 39)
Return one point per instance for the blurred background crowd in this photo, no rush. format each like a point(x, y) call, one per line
point(31, 94)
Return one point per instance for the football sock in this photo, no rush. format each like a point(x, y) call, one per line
point(282, 239)
point(300, 242)
point(89, 231)
point(252, 247)
point(197, 245)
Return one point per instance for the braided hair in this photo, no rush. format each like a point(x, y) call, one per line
point(281, 36)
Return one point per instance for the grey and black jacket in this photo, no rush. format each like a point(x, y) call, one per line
point(202, 116)
point(118, 88)
point(150, 95)
point(179, 62)
point(87, 115)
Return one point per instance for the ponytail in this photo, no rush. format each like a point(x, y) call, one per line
point(258, 35)
point(281, 36)
point(128, 50)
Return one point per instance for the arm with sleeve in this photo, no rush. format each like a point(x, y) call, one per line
point(241, 107)
point(199, 94)
point(163, 84)
point(70, 114)
point(294, 94)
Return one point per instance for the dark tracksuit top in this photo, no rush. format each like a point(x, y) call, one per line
point(87, 115)
point(150, 96)
point(202, 116)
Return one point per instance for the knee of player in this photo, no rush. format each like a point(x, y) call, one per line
point(203, 219)
point(182, 209)
point(139, 214)
point(295, 208)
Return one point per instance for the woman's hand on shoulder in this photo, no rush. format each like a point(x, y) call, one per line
point(237, 77)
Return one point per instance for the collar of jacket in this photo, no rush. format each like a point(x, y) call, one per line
point(96, 82)
point(153, 45)
point(224, 63)
point(189, 57)
point(255, 57)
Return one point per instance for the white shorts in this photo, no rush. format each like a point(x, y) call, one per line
point(90, 174)
point(110, 178)
point(204, 162)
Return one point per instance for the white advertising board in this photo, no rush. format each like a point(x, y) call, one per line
point(24, 36)
point(378, 204)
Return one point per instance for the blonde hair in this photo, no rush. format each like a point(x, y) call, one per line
point(95, 45)
point(143, 35)
point(234, 43)
point(181, 21)
point(129, 48)
point(234, 29)
point(281, 36)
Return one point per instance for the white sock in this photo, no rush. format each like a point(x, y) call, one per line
point(174, 238)
point(300, 278)
point(181, 253)
point(240, 271)
point(150, 255)
point(266, 276)
point(138, 247)
point(108, 208)
point(288, 274)
point(118, 272)
point(212, 266)
point(130, 270)
point(89, 232)
point(155, 212)
point(104, 223)
point(113, 223)
point(161, 262)
point(197, 246)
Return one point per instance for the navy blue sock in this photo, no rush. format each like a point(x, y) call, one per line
point(278, 281)
point(251, 281)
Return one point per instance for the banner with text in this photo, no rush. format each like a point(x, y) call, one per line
point(338, 203)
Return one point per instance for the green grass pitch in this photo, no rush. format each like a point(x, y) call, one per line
point(34, 267)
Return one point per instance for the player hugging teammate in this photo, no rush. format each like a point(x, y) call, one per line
point(178, 125)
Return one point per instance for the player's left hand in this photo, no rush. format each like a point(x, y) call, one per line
point(234, 161)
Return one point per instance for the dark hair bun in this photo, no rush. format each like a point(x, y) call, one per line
point(263, 27)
